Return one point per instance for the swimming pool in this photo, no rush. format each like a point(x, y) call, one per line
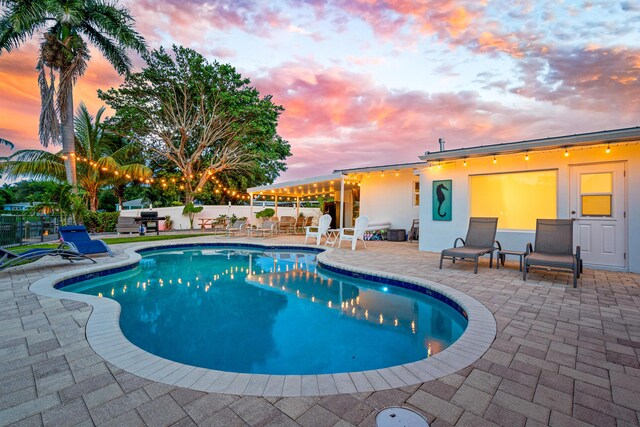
point(271, 312)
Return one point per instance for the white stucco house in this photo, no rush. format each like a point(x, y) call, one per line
point(591, 178)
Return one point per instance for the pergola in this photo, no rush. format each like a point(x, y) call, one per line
point(305, 189)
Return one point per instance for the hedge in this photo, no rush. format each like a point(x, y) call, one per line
point(100, 222)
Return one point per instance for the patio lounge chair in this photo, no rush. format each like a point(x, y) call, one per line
point(286, 224)
point(356, 233)
point(267, 227)
point(77, 238)
point(481, 240)
point(321, 230)
point(553, 249)
point(236, 228)
point(10, 259)
point(220, 225)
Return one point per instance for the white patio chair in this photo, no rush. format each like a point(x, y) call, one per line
point(356, 233)
point(321, 230)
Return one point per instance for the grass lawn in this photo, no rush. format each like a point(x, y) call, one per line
point(117, 240)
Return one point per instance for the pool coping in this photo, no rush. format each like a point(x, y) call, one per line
point(107, 340)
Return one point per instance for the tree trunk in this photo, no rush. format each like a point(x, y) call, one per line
point(118, 190)
point(93, 200)
point(68, 143)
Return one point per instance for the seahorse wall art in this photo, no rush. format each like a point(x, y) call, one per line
point(442, 193)
point(441, 198)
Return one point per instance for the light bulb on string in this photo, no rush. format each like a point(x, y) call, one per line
point(494, 160)
point(608, 150)
point(566, 152)
point(526, 156)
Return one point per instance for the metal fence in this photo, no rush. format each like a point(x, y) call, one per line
point(19, 230)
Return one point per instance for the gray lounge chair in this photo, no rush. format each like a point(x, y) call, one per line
point(267, 227)
point(553, 249)
point(11, 259)
point(481, 240)
point(237, 228)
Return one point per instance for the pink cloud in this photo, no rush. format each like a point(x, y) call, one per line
point(335, 119)
point(186, 22)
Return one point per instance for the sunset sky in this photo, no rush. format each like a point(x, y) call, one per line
point(368, 82)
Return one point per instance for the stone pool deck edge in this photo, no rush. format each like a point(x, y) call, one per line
point(107, 340)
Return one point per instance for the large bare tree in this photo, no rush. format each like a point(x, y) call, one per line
point(199, 117)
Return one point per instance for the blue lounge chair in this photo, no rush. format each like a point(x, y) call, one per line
point(77, 238)
point(11, 259)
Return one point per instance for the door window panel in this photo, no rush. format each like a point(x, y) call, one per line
point(596, 205)
point(596, 183)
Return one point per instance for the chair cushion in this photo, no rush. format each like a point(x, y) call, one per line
point(551, 260)
point(465, 252)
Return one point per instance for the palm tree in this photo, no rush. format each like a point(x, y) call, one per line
point(58, 199)
point(104, 159)
point(66, 25)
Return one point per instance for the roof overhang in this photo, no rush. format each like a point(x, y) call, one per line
point(302, 187)
point(381, 168)
point(585, 139)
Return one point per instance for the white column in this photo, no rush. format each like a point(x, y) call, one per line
point(341, 201)
point(250, 208)
point(276, 205)
point(297, 206)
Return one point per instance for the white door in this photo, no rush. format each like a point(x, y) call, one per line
point(598, 208)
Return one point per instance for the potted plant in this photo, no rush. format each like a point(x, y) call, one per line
point(168, 223)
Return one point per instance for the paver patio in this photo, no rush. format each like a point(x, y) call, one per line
point(562, 357)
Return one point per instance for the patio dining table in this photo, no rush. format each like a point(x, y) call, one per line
point(206, 221)
point(213, 223)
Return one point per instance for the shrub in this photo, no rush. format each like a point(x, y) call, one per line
point(100, 222)
point(267, 213)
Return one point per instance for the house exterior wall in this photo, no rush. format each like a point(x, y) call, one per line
point(438, 235)
point(389, 198)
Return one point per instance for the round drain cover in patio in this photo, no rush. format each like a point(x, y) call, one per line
point(396, 416)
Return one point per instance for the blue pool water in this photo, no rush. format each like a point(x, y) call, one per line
point(271, 312)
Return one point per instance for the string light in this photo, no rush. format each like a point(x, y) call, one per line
point(608, 150)
point(566, 152)
point(526, 157)
point(464, 163)
point(494, 160)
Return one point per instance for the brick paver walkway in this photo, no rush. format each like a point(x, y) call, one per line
point(562, 357)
